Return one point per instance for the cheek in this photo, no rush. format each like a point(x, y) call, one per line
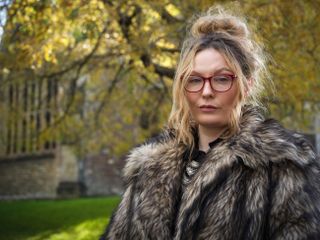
point(231, 98)
point(191, 99)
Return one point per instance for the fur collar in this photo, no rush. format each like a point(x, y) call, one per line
point(258, 142)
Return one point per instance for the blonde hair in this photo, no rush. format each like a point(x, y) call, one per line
point(229, 34)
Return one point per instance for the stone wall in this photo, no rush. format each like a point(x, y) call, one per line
point(38, 176)
point(68, 174)
point(102, 175)
point(30, 177)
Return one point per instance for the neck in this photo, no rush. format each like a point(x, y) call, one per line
point(207, 135)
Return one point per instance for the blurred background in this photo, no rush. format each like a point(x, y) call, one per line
point(83, 81)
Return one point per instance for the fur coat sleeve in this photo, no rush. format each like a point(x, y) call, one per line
point(263, 183)
point(294, 205)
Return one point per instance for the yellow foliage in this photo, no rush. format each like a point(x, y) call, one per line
point(139, 38)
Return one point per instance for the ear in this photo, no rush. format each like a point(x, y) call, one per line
point(249, 86)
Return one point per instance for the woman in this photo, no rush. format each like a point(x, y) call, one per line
point(221, 170)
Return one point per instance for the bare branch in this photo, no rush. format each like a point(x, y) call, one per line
point(169, 50)
point(164, 71)
point(116, 79)
point(80, 62)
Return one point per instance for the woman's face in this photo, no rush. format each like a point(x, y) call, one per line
point(209, 108)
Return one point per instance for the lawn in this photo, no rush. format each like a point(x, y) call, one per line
point(81, 219)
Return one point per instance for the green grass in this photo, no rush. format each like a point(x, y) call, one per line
point(81, 219)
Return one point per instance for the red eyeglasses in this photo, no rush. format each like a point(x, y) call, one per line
point(218, 83)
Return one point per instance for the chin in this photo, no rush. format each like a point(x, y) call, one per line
point(212, 123)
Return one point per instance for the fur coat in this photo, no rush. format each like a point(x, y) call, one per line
point(262, 183)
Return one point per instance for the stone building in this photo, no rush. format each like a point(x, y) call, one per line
point(59, 175)
point(33, 166)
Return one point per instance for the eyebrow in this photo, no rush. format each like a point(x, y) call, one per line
point(217, 71)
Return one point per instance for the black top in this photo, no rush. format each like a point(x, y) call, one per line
point(195, 161)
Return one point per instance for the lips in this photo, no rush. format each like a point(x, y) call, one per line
point(208, 108)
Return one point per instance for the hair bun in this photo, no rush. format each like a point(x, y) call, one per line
point(217, 20)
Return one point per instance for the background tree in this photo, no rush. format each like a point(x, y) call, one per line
point(114, 61)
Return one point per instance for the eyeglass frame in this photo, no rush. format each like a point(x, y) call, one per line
point(204, 79)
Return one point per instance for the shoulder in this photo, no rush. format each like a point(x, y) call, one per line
point(291, 154)
point(282, 144)
point(261, 141)
point(148, 152)
point(293, 165)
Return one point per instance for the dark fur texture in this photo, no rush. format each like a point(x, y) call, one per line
point(263, 183)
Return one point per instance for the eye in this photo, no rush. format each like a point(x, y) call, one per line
point(222, 78)
point(194, 79)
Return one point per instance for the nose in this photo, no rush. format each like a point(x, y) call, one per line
point(207, 90)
